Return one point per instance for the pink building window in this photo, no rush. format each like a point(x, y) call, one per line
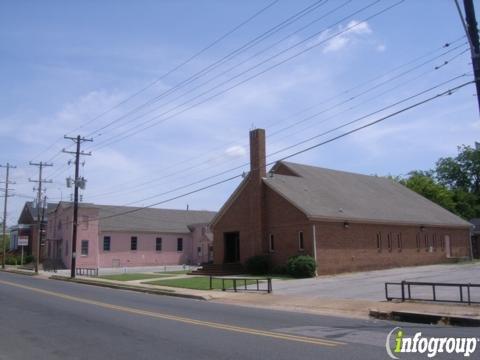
point(84, 248)
point(133, 243)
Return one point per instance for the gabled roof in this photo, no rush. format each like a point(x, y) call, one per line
point(138, 219)
point(230, 200)
point(150, 219)
point(338, 195)
point(30, 212)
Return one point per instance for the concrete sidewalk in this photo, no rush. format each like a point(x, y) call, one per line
point(347, 307)
point(307, 304)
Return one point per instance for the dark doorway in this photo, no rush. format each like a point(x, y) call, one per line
point(232, 247)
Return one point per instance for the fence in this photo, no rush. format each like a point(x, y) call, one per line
point(464, 291)
point(237, 283)
point(93, 272)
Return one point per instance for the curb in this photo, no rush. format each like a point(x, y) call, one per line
point(425, 318)
point(19, 272)
point(129, 287)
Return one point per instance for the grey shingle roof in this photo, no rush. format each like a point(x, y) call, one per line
point(34, 210)
point(330, 194)
point(151, 219)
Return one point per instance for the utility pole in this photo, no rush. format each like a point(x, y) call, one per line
point(40, 182)
point(78, 183)
point(6, 195)
point(471, 31)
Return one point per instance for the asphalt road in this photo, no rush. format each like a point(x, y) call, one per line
point(47, 319)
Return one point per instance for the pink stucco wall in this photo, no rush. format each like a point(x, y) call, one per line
point(202, 241)
point(60, 231)
point(120, 254)
point(59, 243)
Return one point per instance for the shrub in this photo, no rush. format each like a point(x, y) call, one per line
point(258, 265)
point(301, 266)
point(12, 260)
point(280, 270)
point(27, 259)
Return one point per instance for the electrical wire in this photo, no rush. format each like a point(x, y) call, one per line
point(310, 117)
point(381, 119)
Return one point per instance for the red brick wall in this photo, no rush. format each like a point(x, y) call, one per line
point(339, 249)
point(259, 212)
point(355, 248)
point(285, 221)
point(236, 218)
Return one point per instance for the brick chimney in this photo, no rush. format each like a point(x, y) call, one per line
point(258, 161)
point(258, 171)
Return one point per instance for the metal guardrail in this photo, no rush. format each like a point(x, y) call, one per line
point(236, 288)
point(93, 272)
point(406, 291)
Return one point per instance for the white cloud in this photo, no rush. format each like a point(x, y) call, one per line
point(236, 151)
point(336, 44)
point(381, 47)
point(357, 27)
point(351, 32)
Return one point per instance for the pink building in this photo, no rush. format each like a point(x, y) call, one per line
point(119, 236)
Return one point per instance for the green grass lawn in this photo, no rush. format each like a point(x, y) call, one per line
point(198, 283)
point(132, 276)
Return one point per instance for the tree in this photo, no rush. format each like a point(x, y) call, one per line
point(454, 183)
point(461, 172)
point(424, 184)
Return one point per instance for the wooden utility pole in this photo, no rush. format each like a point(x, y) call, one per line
point(6, 195)
point(40, 182)
point(78, 183)
point(471, 31)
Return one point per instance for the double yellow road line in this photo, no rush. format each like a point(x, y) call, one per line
point(157, 315)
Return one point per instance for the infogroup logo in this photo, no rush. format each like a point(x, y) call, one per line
point(397, 343)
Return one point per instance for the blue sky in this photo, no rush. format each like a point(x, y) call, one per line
point(63, 63)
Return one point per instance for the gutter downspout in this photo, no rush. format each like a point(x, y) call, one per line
point(471, 242)
point(315, 248)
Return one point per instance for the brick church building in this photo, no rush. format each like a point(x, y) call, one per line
point(346, 221)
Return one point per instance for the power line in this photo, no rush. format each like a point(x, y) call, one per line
point(305, 141)
point(396, 113)
point(206, 70)
point(171, 71)
point(446, 45)
point(310, 117)
point(153, 121)
point(217, 63)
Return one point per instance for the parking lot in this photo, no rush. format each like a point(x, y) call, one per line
point(369, 285)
